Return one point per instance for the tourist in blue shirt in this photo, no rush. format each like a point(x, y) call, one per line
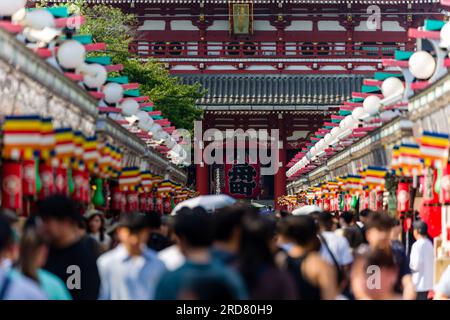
point(130, 271)
point(33, 255)
point(194, 236)
point(14, 287)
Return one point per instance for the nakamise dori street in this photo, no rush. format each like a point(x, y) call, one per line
point(225, 150)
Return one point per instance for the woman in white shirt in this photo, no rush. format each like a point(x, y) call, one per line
point(96, 229)
point(421, 261)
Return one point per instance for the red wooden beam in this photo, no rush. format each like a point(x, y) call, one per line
point(146, 104)
point(10, 27)
point(130, 86)
point(95, 47)
point(109, 109)
point(423, 34)
point(372, 82)
point(420, 85)
point(138, 99)
point(395, 63)
point(44, 53)
point(74, 76)
point(74, 21)
point(114, 67)
point(97, 95)
point(353, 104)
point(154, 113)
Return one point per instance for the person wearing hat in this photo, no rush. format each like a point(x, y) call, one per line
point(422, 260)
point(131, 270)
point(96, 229)
point(71, 255)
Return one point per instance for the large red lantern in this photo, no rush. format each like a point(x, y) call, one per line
point(116, 198)
point(429, 181)
point(12, 185)
point(132, 201)
point(48, 180)
point(29, 177)
point(143, 202)
point(78, 181)
point(150, 202)
point(445, 185)
point(403, 197)
point(61, 181)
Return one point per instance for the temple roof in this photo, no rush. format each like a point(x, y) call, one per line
point(387, 2)
point(276, 89)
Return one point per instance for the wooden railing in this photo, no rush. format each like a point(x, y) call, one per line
point(251, 49)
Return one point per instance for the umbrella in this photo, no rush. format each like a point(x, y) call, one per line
point(209, 203)
point(306, 210)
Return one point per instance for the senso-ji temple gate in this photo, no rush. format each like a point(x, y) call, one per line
point(272, 64)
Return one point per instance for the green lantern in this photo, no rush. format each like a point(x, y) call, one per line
point(38, 178)
point(98, 199)
point(70, 182)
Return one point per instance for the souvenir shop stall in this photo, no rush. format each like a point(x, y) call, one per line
point(72, 124)
point(388, 148)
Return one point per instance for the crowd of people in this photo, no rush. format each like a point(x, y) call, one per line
point(234, 253)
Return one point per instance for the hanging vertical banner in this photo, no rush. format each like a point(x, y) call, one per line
point(403, 196)
point(242, 180)
point(12, 185)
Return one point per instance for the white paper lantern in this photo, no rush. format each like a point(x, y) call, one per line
point(155, 128)
point(9, 7)
point(321, 144)
point(371, 105)
point(392, 86)
point(358, 113)
point(349, 122)
point(177, 149)
point(71, 54)
point(445, 35)
point(422, 65)
point(145, 125)
point(39, 19)
point(335, 132)
point(129, 107)
point(113, 92)
point(313, 151)
point(386, 116)
point(342, 125)
point(95, 75)
point(328, 138)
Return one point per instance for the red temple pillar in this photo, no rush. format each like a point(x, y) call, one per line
point(202, 179)
point(280, 176)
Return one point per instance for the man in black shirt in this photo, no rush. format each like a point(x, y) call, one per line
point(71, 256)
point(157, 241)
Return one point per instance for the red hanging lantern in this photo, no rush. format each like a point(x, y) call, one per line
point(12, 175)
point(143, 202)
point(445, 185)
point(379, 200)
point(432, 216)
point(29, 177)
point(132, 199)
point(116, 198)
point(403, 197)
point(167, 205)
point(364, 200)
point(61, 182)
point(429, 181)
point(150, 203)
point(326, 204)
point(48, 180)
point(159, 205)
point(78, 181)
